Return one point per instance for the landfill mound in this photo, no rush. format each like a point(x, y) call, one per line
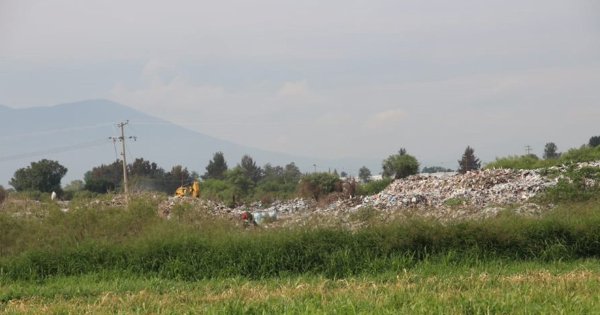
point(479, 189)
point(444, 196)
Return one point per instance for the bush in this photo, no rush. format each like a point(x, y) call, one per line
point(373, 187)
point(317, 185)
point(578, 185)
point(400, 165)
point(217, 189)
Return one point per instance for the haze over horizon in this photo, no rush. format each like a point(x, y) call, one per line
point(325, 79)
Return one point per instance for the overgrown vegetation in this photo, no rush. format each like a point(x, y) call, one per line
point(576, 184)
point(373, 187)
point(583, 154)
point(195, 246)
point(317, 185)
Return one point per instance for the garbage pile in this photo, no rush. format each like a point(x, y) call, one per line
point(445, 196)
point(166, 207)
point(478, 189)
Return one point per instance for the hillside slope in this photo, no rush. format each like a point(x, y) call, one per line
point(77, 135)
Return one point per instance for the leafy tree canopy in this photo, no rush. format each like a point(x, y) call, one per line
point(216, 167)
point(44, 176)
point(104, 178)
point(364, 174)
point(255, 173)
point(550, 151)
point(594, 141)
point(400, 165)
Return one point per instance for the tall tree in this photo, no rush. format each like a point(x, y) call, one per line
point(104, 178)
point(364, 174)
point(242, 183)
point(255, 173)
point(550, 151)
point(400, 165)
point(44, 176)
point(291, 173)
point(594, 141)
point(141, 167)
point(216, 167)
point(469, 161)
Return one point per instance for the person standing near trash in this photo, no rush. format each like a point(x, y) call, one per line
point(247, 218)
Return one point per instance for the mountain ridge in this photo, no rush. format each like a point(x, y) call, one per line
point(76, 134)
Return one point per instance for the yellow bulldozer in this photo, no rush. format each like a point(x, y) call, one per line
point(192, 190)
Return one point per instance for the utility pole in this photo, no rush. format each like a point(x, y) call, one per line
point(122, 140)
point(528, 149)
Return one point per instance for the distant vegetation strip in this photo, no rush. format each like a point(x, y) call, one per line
point(583, 154)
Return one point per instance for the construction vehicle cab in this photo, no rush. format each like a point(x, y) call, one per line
point(192, 190)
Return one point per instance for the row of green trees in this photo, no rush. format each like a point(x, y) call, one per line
point(247, 180)
point(143, 174)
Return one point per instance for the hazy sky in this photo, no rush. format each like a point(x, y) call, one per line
point(322, 78)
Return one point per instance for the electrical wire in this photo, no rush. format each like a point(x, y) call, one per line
point(53, 131)
point(63, 149)
point(114, 141)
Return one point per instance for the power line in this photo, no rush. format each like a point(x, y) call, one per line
point(62, 149)
point(52, 131)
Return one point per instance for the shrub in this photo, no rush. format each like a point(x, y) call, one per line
point(317, 185)
point(578, 185)
point(373, 187)
point(400, 165)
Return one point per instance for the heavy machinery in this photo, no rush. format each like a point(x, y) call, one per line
point(192, 190)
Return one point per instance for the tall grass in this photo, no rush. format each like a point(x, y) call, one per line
point(135, 241)
point(436, 287)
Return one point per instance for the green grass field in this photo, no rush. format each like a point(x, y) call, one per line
point(98, 259)
point(428, 288)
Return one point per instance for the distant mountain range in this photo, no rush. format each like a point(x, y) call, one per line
point(77, 136)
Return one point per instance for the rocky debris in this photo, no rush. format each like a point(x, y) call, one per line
point(166, 207)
